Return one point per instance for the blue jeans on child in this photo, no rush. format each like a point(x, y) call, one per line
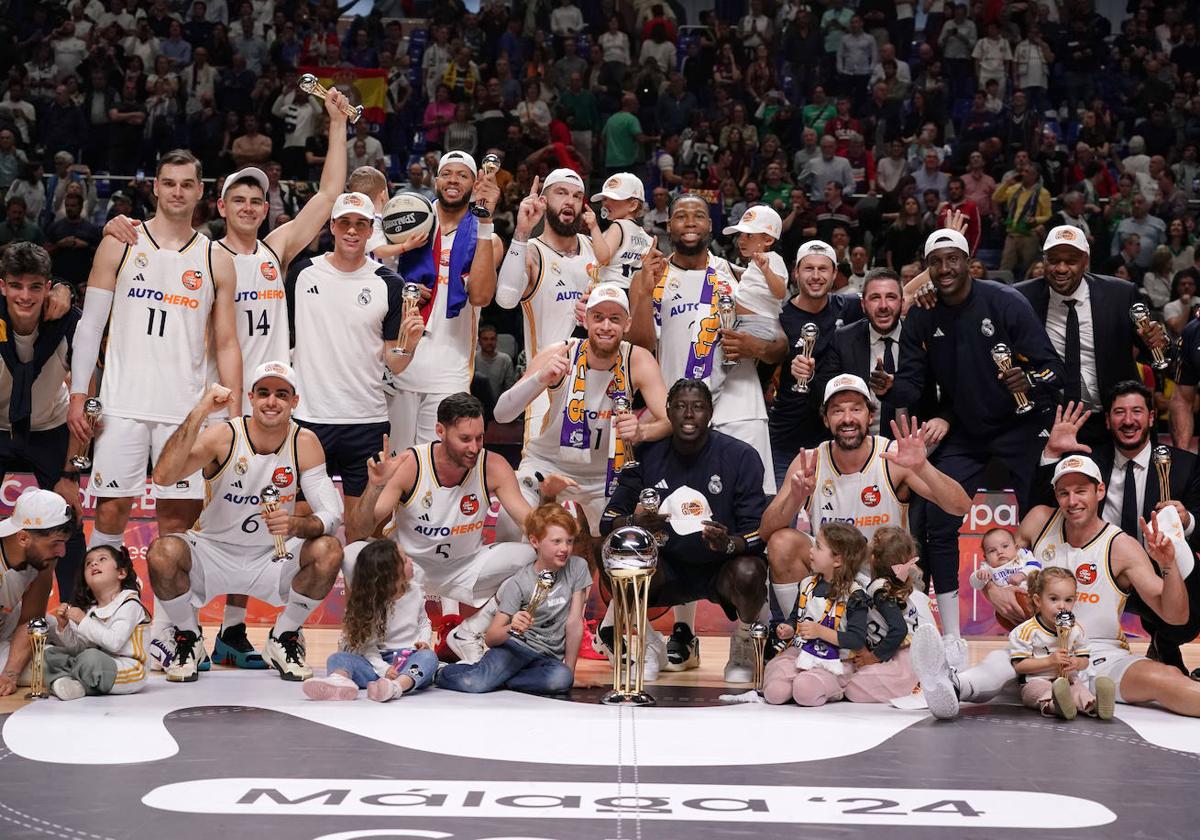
point(511, 665)
point(421, 665)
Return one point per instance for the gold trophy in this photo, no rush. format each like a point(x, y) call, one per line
point(630, 556)
point(270, 502)
point(649, 501)
point(541, 591)
point(1160, 456)
point(490, 166)
point(1139, 313)
point(38, 631)
point(622, 405)
point(411, 297)
point(727, 314)
point(311, 85)
point(1063, 622)
point(758, 634)
point(806, 343)
point(1002, 356)
point(91, 412)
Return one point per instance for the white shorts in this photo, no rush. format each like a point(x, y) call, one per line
point(221, 568)
point(468, 580)
point(1112, 662)
point(754, 432)
point(413, 416)
point(123, 448)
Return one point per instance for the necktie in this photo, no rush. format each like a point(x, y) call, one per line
point(887, 413)
point(1073, 360)
point(1129, 511)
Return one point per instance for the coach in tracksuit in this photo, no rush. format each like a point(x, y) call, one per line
point(952, 343)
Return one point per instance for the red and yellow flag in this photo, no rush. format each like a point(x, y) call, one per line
point(368, 87)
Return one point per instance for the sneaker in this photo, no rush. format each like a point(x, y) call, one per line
point(285, 652)
point(185, 666)
point(381, 690)
point(656, 655)
point(68, 688)
point(1106, 698)
point(333, 687)
point(929, 664)
point(233, 649)
point(740, 667)
point(956, 652)
point(683, 649)
point(1064, 703)
point(205, 662)
point(467, 646)
point(604, 640)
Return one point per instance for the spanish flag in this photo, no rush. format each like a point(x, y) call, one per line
point(363, 86)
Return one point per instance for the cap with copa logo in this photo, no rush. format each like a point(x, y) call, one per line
point(278, 370)
point(846, 382)
point(353, 202)
point(36, 510)
point(608, 293)
point(1077, 464)
point(1067, 235)
point(621, 186)
point(758, 220)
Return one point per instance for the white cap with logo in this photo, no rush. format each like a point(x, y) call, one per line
point(352, 202)
point(847, 382)
point(259, 177)
point(816, 248)
point(1080, 464)
point(946, 238)
point(758, 219)
point(686, 510)
point(1067, 235)
point(278, 370)
point(36, 510)
point(608, 293)
point(621, 186)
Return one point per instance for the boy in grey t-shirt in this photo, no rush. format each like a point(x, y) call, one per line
point(534, 653)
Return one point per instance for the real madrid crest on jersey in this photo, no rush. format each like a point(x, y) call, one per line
point(1048, 554)
point(427, 500)
point(987, 327)
point(714, 484)
point(241, 465)
point(364, 297)
point(141, 260)
point(827, 488)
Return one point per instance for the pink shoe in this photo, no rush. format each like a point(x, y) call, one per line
point(334, 687)
point(383, 690)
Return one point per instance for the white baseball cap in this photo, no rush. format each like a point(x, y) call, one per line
point(846, 382)
point(686, 510)
point(36, 510)
point(1077, 464)
point(815, 247)
point(457, 157)
point(946, 238)
point(758, 219)
point(1067, 235)
point(352, 202)
point(608, 293)
point(621, 186)
point(278, 370)
point(563, 176)
point(254, 172)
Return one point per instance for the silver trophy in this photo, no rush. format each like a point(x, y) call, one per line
point(1002, 356)
point(758, 634)
point(410, 296)
point(541, 591)
point(1139, 313)
point(1064, 620)
point(490, 166)
point(630, 557)
point(311, 85)
point(806, 344)
point(649, 501)
point(727, 314)
point(621, 406)
point(1160, 456)
point(270, 502)
point(39, 630)
point(91, 413)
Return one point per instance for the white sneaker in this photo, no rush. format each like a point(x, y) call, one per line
point(333, 687)
point(467, 646)
point(656, 655)
point(956, 652)
point(382, 690)
point(740, 667)
point(68, 688)
point(189, 648)
point(285, 653)
point(929, 664)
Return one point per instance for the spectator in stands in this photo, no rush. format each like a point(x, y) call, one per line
point(30, 187)
point(957, 39)
point(1026, 207)
point(857, 54)
point(615, 45)
point(1151, 230)
point(17, 227)
point(623, 137)
point(833, 212)
point(72, 242)
point(494, 365)
point(1127, 258)
point(956, 201)
point(931, 177)
point(826, 168)
point(252, 147)
point(566, 21)
point(11, 158)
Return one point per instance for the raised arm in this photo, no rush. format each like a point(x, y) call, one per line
point(641, 301)
point(481, 288)
point(801, 478)
point(647, 378)
point(189, 448)
point(521, 263)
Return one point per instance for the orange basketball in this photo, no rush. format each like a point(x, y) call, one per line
point(1023, 600)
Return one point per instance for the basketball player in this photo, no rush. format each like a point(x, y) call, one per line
point(547, 275)
point(1108, 565)
point(164, 295)
point(622, 200)
point(581, 443)
point(232, 546)
point(436, 495)
point(863, 479)
point(458, 265)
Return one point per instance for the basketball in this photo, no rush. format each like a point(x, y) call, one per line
point(1023, 600)
point(407, 216)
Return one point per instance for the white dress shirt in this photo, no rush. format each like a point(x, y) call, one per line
point(877, 348)
point(1115, 492)
point(1056, 328)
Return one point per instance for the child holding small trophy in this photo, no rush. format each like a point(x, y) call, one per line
point(533, 640)
point(1049, 652)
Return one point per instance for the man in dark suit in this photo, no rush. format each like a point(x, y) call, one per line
point(1087, 318)
point(1131, 478)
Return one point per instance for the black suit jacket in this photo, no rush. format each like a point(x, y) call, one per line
point(1112, 328)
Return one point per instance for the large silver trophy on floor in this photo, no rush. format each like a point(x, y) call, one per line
point(630, 557)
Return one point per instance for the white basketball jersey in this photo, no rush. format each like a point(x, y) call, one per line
point(232, 502)
point(916, 612)
point(627, 258)
point(439, 526)
point(1100, 601)
point(13, 583)
point(865, 499)
point(543, 444)
point(155, 364)
point(548, 309)
point(262, 317)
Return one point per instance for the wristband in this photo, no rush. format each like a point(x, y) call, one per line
point(485, 230)
point(70, 475)
point(70, 288)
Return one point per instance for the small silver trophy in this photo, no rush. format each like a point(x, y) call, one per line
point(541, 591)
point(311, 85)
point(490, 166)
point(1139, 313)
point(91, 412)
point(649, 501)
point(622, 406)
point(270, 502)
point(727, 314)
point(1002, 356)
point(806, 344)
point(1160, 456)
